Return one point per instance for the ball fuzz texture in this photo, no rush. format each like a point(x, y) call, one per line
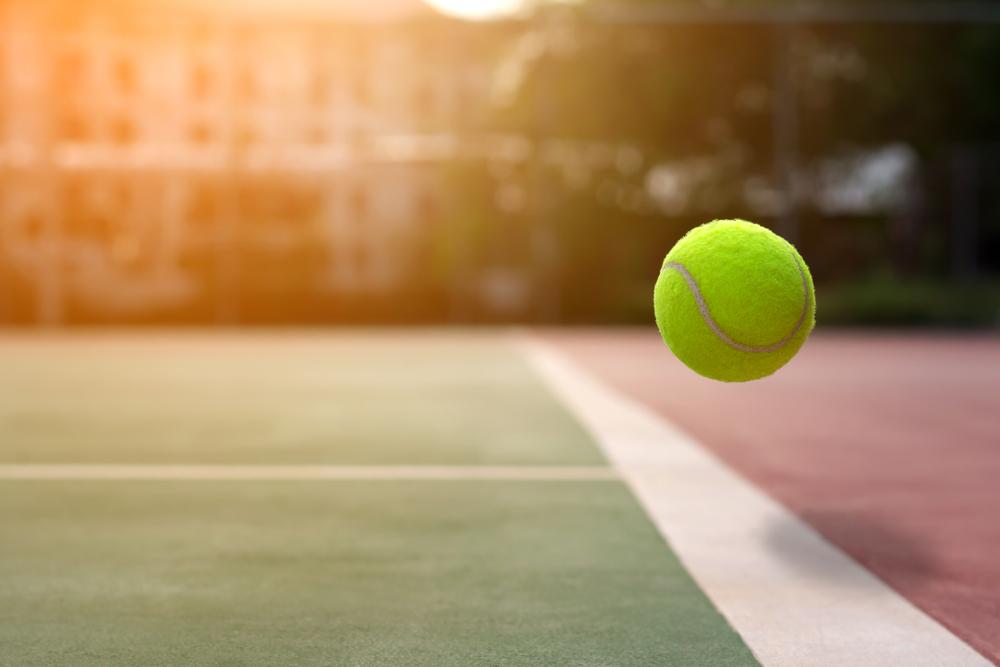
point(734, 301)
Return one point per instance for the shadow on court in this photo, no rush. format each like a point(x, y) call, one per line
point(878, 543)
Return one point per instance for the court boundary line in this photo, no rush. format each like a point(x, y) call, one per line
point(788, 617)
point(237, 472)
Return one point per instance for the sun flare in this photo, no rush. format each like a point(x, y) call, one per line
point(477, 9)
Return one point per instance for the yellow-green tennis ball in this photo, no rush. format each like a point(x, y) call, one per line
point(734, 301)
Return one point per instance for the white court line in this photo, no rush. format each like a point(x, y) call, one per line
point(61, 471)
point(833, 614)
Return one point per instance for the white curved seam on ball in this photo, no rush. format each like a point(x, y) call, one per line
point(706, 315)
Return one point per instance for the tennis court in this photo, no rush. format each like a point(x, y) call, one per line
point(556, 564)
point(376, 497)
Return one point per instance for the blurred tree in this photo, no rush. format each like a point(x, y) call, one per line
point(695, 103)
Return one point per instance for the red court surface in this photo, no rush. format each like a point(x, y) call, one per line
point(888, 445)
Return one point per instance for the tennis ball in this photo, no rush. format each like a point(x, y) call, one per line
point(734, 301)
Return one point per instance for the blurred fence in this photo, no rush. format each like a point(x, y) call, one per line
point(170, 166)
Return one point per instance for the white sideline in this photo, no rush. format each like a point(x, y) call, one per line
point(61, 471)
point(835, 614)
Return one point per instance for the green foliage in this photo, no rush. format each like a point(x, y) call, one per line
point(883, 300)
point(706, 93)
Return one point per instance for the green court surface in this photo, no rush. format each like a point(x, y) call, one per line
point(331, 572)
point(355, 399)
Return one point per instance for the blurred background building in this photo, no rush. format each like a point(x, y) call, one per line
point(159, 160)
point(344, 162)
